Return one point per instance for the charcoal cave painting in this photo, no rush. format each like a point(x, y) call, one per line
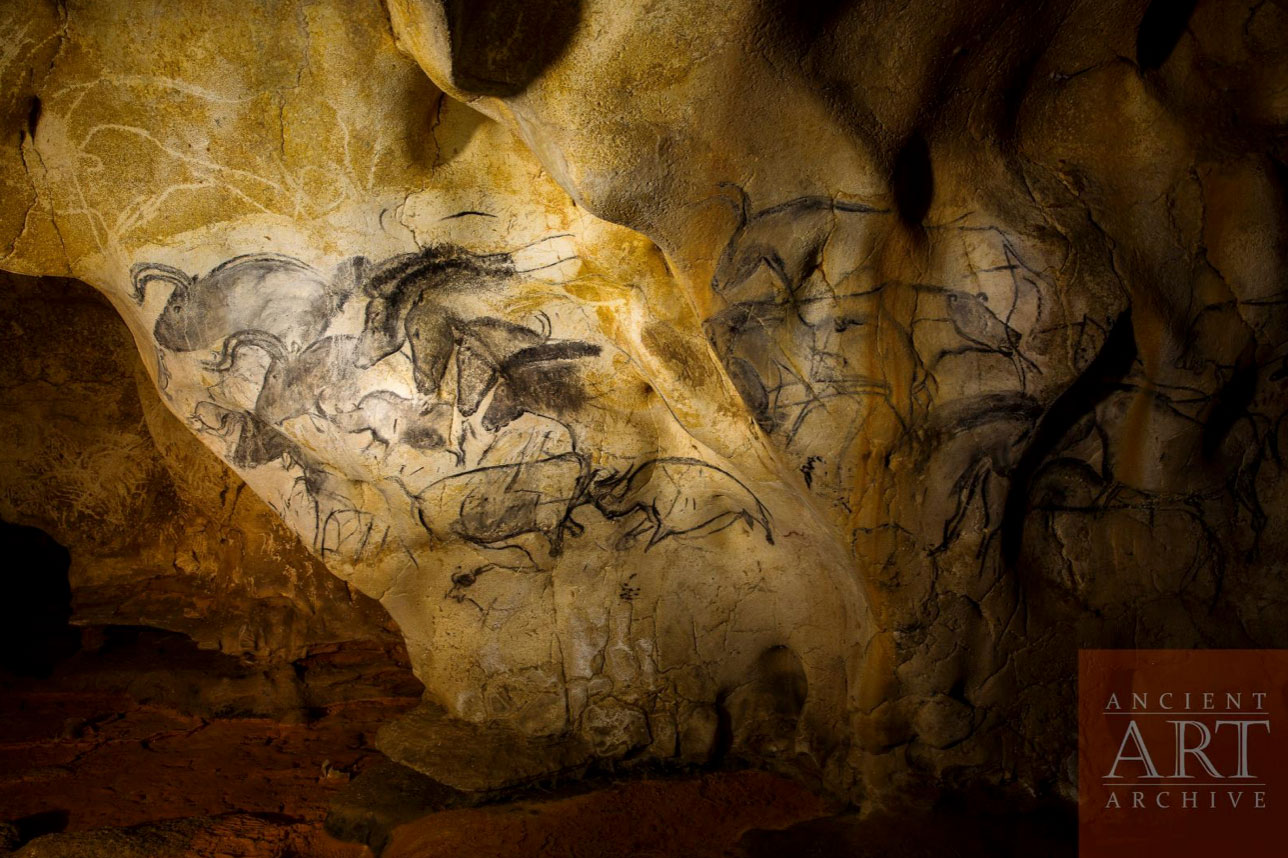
point(485, 435)
point(964, 372)
point(804, 302)
point(1041, 429)
point(737, 372)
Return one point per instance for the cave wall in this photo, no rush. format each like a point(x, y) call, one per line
point(158, 531)
point(695, 378)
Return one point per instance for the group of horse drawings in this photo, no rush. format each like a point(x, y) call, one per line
point(423, 305)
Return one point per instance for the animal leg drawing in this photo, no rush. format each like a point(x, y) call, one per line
point(677, 497)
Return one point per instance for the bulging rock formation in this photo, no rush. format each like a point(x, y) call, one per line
point(690, 379)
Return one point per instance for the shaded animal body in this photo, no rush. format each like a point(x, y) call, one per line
point(544, 379)
point(393, 419)
point(484, 345)
point(501, 502)
point(535, 373)
point(785, 240)
point(416, 299)
point(677, 497)
point(423, 300)
point(394, 285)
point(253, 442)
point(267, 292)
point(745, 339)
point(293, 382)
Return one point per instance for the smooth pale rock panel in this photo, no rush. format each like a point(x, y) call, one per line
point(470, 399)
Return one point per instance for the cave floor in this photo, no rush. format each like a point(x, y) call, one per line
point(141, 728)
point(141, 745)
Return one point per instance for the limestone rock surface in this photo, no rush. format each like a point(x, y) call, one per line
point(686, 379)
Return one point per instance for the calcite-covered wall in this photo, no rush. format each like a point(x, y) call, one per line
point(695, 378)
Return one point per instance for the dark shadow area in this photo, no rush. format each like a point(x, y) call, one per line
point(954, 829)
point(35, 634)
point(603, 811)
point(33, 116)
point(142, 726)
point(499, 47)
point(1160, 29)
point(1232, 401)
point(36, 824)
point(913, 180)
point(804, 23)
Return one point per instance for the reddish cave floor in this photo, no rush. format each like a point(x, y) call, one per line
point(142, 728)
point(141, 744)
point(128, 742)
